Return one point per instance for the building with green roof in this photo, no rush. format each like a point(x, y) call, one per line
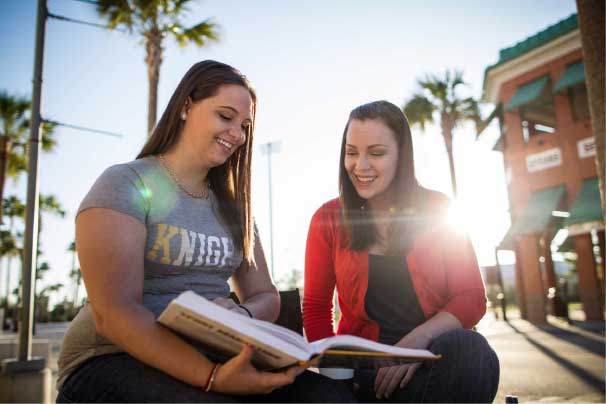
point(538, 89)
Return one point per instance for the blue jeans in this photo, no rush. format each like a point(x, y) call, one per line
point(468, 372)
point(122, 378)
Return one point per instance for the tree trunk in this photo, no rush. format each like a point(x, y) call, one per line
point(4, 146)
point(447, 127)
point(153, 59)
point(8, 288)
point(591, 21)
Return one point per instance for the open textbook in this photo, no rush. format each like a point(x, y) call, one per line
point(276, 347)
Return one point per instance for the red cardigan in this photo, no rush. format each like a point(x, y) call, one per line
point(442, 265)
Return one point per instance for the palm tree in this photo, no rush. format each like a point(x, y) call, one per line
point(13, 208)
point(591, 21)
point(41, 301)
point(14, 124)
point(154, 20)
point(75, 273)
point(9, 249)
point(439, 98)
point(49, 204)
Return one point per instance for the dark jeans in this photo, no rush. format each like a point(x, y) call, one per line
point(468, 372)
point(122, 378)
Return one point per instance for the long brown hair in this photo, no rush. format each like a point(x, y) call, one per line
point(230, 181)
point(357, 219)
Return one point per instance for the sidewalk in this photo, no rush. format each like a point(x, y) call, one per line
point(553, 363)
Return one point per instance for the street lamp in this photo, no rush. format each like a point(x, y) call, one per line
point(269, 148)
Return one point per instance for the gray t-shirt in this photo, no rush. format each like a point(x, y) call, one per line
point(187, 248)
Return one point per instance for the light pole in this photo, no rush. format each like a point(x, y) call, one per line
point(269, 148)
point(24, 362)
point(31, 216)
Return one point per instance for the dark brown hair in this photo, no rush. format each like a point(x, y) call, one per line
point(230, 181)
point(404, 187)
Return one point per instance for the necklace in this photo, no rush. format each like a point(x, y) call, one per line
point(201, 195)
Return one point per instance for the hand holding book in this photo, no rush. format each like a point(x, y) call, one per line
point(276, 347)
point(239, 376)
point(229, 304)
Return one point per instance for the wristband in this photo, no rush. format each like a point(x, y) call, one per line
point(211, 378)
point(246, 310)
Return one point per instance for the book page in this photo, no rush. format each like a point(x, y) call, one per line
point(282, 333)
point(353, 343)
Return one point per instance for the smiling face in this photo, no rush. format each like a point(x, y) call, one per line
point(371, 157)
point(216, 126)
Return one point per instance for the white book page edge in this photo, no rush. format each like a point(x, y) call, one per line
point(240, 324)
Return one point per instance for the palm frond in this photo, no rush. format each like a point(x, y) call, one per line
point(47, 131)
point(16, 162)
point(435, 86)
point(148, 11)
point(12, 114)
point(8, 244)
point(13, 207)
point(117, 13)
point(454, 79)
point(419, 110)
point(50, 204)
point(199, 34)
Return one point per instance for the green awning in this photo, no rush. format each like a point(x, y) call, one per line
point(508, 241)
point(567, 246)
point(586, 206)
point(528, 93)
point(574, 74)
point(536, 215)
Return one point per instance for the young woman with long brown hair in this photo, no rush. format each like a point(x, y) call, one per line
point(177, 218)
point(402, 275)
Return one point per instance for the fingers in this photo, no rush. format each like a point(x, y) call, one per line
point(379, 378)
point(388, 380)
point(383, 379)
point(409, 375)
point(244, 357)
point(272, 381)
point(398, 373)
point(239, 376)
point(225, 302)
point(296, 370)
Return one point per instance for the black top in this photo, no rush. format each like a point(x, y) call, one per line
point(391, 300)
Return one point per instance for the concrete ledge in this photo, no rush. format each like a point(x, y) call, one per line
point(26, 387)
point(10, 348)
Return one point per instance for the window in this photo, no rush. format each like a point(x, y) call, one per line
point(538, 117)
point(530, 129)
point(579, 102)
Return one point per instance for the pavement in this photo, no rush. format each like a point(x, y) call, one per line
point(555, 363)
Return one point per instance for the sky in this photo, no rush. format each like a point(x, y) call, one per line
point(310, 62)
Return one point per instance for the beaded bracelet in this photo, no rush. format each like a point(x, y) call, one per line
point(246, 310)
point(211, 378)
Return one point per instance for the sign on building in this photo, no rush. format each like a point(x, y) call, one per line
point(586, 147)
point(544, 160)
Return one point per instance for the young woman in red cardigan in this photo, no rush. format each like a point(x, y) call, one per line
point(402, 274)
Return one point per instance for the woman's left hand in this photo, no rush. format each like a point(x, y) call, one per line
point(230, 305)
point(392, 377)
